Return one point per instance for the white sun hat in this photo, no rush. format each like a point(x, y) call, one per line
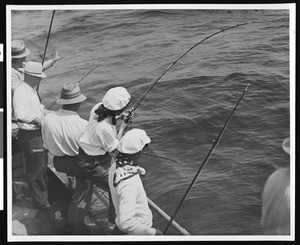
point(116, 98)
point(34, 69)
point(133, 141)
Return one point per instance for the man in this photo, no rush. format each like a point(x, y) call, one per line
point(30, 112)
point(61, 131)
point(276, 200)
point(129, 197)
point(19, 55)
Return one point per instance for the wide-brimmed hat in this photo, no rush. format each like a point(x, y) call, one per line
point(116, 98)
point(133, 141)
point(286, 145)
point(70, 94)
point(34, 69)
point(18, 49)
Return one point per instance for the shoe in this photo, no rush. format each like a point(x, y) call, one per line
point(110, 229)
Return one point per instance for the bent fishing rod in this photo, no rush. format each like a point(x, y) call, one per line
point(205, 160)
point(135, 106)
point(78, 81)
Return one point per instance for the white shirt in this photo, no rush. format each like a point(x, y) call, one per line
point(27, 106)
point(99, 138)
point(131, 204)
point(61, 131)
point(17, 78)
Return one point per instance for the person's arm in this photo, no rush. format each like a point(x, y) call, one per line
point(43, 130)
point(128, 223)
point(37, 121)
point(49, 63)
point(107, 137)
point(121, 130)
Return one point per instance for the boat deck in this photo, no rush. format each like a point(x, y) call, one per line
point(39, 222)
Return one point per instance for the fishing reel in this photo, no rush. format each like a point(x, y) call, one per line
point(127, 115)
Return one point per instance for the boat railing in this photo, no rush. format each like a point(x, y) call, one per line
point(155, 207)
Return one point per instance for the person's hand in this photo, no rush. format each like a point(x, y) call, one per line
point(57, 57)
point(123, 125)
point(128, 116)
point(158, 232)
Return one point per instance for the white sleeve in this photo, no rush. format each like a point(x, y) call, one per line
point(128, 223)
point(107, 137)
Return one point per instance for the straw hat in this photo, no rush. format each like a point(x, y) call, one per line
point(116, 98)
point(70, 94)
point(133, 141)
point(286, 145)
point(19, 49)
point(34, 69)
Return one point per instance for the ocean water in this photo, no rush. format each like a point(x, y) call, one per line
point(187, 108)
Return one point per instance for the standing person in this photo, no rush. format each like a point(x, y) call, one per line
point(129, 197)
point(19, 53)
point(29, 110)
point(276, 200)
point(61, 131)
point(98, 142)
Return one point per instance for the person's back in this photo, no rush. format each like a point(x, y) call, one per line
point(134, 219)
point(62, 130)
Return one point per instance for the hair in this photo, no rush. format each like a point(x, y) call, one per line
point(102, 112)
point(72, 107)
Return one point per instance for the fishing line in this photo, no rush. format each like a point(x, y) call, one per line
point(215, 143)
point(76, 69)
point(166, 158)
point(237, 155)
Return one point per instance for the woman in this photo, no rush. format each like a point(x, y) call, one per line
point(97, 145)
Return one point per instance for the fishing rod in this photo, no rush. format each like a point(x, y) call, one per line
point(65, 72)
point(78, 82)
point(45, 49)
point(131, 111)
point(205, 160)
point(154, 155)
